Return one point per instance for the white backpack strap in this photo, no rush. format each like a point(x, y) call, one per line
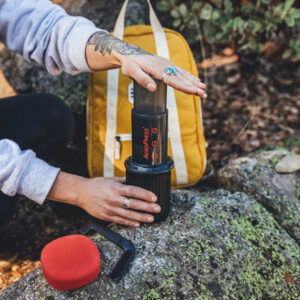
point(112, 94)
point(111, 121)
point(112, 101)
point(174, 133)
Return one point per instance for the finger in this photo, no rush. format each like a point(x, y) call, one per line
point(140, 205)
point(133, 215)
point(119, 179)
point(188, 76)
point(177, 83)
point(124, 221)
point(183, 79)
point(143, 79)
point(200, 85)
point(191, 77)
point(138, 193)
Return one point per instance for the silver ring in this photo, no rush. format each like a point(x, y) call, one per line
point(163, 76)
point(126, 203)
point(169, 71)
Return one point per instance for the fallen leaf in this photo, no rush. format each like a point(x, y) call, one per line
point(289, 278)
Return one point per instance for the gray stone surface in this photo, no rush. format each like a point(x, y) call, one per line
point(279, 193)
point(288, 164)
point(214, 245)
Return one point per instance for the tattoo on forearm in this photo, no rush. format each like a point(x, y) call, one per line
point(106, 43)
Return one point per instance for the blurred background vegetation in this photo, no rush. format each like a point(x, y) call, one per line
point(250, 27)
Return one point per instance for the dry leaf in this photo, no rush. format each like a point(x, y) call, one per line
point(289, 278)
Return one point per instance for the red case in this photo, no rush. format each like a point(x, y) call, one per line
point(70, 262)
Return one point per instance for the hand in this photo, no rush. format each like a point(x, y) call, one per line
point(103, 198)
point(105, 51)
point(143, 68)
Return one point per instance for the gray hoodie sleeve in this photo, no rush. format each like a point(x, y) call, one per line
point(43, 33)
point(23, 173)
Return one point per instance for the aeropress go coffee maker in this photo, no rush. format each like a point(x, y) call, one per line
point(150, 167)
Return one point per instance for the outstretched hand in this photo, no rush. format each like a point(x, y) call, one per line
point(105, 51)
point(143, 68)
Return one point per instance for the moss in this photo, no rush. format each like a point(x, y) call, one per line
point(273, 162)
point(263, 268)
point(297, 189)
point(293, 141)
point(152, 295)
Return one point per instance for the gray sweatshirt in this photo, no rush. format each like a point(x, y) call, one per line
point(43, 33)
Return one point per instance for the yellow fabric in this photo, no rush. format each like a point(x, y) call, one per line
point(189, 109)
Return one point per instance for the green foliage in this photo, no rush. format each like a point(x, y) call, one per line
point(247, 23)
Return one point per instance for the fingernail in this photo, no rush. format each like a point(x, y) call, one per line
point(151, 86)
point(154, 198)
point(157, 209)
point(199, 91)
point(150, 219)
point(136, 225)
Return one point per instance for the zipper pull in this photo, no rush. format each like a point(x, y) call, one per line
point(130, 93)
point(117, 148)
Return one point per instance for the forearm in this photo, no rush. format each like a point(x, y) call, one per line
point(104, 51)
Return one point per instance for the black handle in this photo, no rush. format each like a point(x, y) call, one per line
point(126, 245)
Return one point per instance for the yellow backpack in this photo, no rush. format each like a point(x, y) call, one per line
point(110, 103)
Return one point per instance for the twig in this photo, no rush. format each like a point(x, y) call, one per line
point(245, 126)
point(198, 27)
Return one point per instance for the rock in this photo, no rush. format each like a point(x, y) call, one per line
point(214, 245)
point(278, 193)
point(288, 164)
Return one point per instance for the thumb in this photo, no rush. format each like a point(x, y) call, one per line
point(137, 73)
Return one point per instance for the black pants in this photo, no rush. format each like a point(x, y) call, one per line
point(41, 122)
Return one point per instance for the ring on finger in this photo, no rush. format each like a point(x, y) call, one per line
point(169, 71)
point(126, 203)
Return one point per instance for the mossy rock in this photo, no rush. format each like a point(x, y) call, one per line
point(278, 193)
point(214, 245)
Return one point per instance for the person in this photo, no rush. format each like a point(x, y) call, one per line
point(34, 128)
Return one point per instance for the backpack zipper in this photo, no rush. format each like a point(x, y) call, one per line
point(118, 139)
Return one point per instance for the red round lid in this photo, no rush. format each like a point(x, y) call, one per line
point(70, 262)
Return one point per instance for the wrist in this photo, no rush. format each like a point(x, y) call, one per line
point(99, 61)
point(67, 188)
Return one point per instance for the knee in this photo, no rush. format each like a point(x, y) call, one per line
point(61, 117)
point(7, 208)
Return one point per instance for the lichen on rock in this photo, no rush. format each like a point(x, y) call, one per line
point(219, 246)
point(278, 193)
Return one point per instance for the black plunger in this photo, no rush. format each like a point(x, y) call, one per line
point(150, 167)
